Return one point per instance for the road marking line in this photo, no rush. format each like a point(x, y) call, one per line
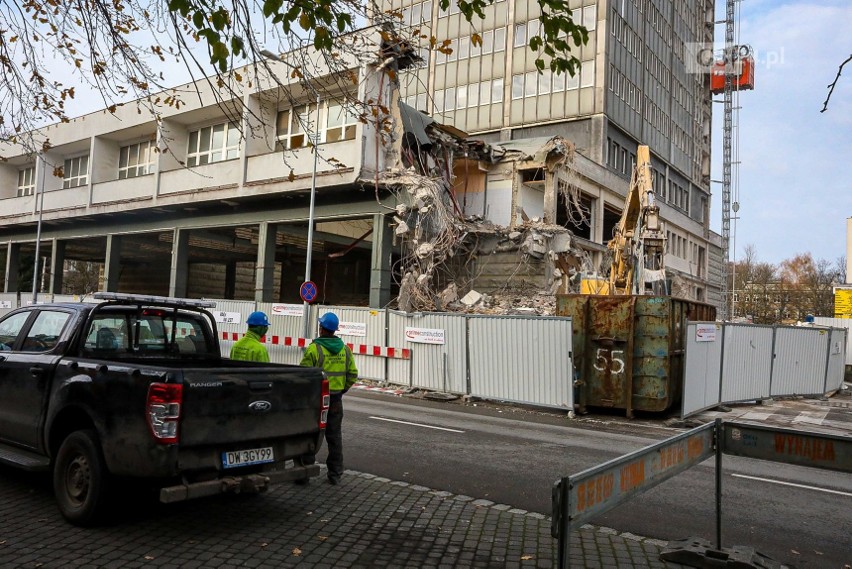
point(794, 485)
point(416, 424)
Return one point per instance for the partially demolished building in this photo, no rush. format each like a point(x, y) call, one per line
point(635, 85)
point(210, 199)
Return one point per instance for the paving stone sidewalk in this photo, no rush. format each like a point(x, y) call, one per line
point(364, 522)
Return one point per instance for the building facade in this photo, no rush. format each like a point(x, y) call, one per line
point(208, 198)
point(634, 86)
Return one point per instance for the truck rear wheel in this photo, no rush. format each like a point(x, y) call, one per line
point(80, 478)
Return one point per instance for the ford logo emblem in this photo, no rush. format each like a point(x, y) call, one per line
point(260, 406)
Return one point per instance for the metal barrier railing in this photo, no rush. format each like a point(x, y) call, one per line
point(592, 492)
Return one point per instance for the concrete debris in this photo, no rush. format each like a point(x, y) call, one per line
point(442, 251)
point(401, 227)
point(424, 250)
point(471, 298)
point(449, 295)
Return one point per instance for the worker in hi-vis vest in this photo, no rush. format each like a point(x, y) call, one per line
point(329, 353)
point(249, 348)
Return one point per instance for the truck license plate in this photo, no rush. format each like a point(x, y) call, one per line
point(247, 457)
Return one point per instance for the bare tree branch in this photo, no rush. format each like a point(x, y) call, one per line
point(834, 83)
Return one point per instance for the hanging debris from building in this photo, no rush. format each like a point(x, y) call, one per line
point(446, 253)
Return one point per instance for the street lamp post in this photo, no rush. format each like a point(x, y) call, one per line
point(308, 256)
point(38, 232)
point(307, 307)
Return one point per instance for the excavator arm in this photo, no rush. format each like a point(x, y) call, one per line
point(638, 242)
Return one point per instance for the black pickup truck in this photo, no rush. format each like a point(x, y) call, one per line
point(134, 389)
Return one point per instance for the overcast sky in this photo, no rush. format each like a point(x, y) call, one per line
point(795, 179)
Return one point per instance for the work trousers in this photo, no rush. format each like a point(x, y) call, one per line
point(334, 437)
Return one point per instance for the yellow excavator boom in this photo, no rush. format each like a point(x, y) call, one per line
point(638, 242)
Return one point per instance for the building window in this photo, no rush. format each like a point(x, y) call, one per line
point(213, 144)
point(26, 182)
point(587, 73)
point(530, 83)
point(499, 39)
point(438, 101)
point(76, 172)
point(417, 14)
point(497, 91)
point(520, 35)
point(544, 82)
point(473, 94)
point(293, 124)
point(340, 123)
point(517, 87)
point(461, 97)
point(136, 160)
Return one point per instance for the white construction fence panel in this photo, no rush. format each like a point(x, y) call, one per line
point(231, 318)
point(800, 361)
point(361, 327)
point(747, 363)
point(438, 344)
point(522, 359)
point(286, 326)
point(703, 368)
point(836, 359)
point(67, 298)
point(839, 323)
point(8, 302)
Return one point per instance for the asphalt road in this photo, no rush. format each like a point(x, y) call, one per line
point(485, 454)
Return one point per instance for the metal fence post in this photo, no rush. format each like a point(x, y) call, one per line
point(772, 361)
point(827, 361)
point(387, 343)
point(722, 364)
point(468, 385)
point(719, 436)
point(563, 524)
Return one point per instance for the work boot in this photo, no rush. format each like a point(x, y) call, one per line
point(333, 480)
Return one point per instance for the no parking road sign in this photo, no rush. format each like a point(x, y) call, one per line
point(308, 291)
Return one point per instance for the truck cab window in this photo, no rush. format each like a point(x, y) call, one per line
point(10, 328)
point(107, 333)
point(45, 332)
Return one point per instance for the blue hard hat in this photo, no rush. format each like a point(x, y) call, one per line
point(329, 321)
point(257, 319)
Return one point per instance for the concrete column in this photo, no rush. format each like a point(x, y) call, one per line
point(57, 264)
point(380, 270)
point(550, 198)
point(112, 263)
point(13, 261)
point(264, 279)
point(179, 275)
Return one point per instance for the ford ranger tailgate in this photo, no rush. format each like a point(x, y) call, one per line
point(235, 405)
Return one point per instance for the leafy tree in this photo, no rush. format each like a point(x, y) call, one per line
point(116, 46)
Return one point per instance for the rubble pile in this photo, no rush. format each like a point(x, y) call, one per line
point(514, 300)
point(444, 251)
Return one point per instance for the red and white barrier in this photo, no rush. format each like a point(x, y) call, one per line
point(359, 349)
